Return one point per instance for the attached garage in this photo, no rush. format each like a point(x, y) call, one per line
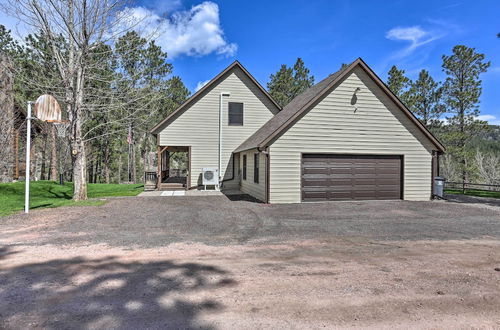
point(330, 177)
point(346, 138)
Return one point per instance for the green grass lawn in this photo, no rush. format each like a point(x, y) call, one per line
point(479, 193)
point(51, 194)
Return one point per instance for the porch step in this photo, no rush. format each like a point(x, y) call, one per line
point(149, 186)
point(171, 186)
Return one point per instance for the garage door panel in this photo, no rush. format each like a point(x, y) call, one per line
point(344, 177)
point(341, 170)
point(388, 182)
point(363, 194)
point(364, 181)
point(314, 196)
point(367, 170)
point(339, 195)
point(311, 172)
point(315, 183)
point(343, 181)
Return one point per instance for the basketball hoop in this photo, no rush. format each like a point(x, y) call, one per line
point(61, 127)
point(47, 109)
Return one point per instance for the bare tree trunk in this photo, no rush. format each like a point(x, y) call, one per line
point(120, 169)
point(106, 173)
point(16, 155)
point(79, 161)
point(106, 163)
point(96, 170)
point(145, 167)
point(90, 168)
point(6, 120)
point(43, 161)
point(53, 154)
point(132, 165)
point(32, 166)
point(78, 146)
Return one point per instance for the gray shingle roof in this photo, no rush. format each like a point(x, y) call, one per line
point(288, 112)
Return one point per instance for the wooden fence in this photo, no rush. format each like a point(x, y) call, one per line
point(471, 186)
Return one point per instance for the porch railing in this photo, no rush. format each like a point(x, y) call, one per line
point(177, 172)
point(150, 180)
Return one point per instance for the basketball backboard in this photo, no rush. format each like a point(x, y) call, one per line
point(47, 109)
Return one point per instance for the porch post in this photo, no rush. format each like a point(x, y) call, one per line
point(158, 174)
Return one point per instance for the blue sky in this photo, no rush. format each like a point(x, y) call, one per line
point(410, 34)
point(203, 37)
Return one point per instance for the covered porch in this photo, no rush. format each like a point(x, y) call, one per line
point(173, 172)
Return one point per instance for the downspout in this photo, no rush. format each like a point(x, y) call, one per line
point(232, 176)
point(267, 176)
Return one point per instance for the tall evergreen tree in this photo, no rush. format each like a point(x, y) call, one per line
point(7, 44)
point(302, 79)
point(426, 103)
point(399, 84)
point(462, 90)
point(287, 83)
point(280, 85)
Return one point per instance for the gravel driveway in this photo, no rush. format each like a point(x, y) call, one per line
point(207, 262)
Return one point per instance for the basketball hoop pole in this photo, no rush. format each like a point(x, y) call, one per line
point(27, 171)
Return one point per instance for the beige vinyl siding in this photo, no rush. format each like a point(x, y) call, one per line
point(198, 125)
point(233, 184)
point(377, 127)
point(248, 186)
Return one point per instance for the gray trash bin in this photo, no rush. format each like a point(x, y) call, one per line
point(439, 186)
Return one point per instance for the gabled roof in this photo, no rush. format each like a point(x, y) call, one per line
point(304, 102)
point(184, 106)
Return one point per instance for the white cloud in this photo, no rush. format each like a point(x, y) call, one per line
point(415, 35)
point(486, 117)
point(200, 85)
point(412, 33)
point(193, 32)
point(492, 120)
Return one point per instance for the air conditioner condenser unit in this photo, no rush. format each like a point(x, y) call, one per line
point(210, 177)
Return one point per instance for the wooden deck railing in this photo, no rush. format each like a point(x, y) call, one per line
point(150, 180)
point(177, 172)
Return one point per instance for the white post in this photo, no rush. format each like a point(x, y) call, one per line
point(220, 137)
point(28, 166)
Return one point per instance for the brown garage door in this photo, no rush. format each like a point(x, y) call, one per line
point(344, 177)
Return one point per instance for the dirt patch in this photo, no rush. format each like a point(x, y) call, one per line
point(216, 264)
point(299, 284)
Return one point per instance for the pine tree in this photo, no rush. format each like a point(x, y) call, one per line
point(462, 90)
point(399, 84)
point(302, 79)
point(426, 103)
point(287, 83)
point(281, 85)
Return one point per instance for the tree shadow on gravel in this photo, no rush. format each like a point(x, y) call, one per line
point(5, 251)
point(467, 199)
point(106, 293)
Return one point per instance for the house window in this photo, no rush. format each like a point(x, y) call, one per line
point(244, 167)
point(235, 114)
point(256, 168)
